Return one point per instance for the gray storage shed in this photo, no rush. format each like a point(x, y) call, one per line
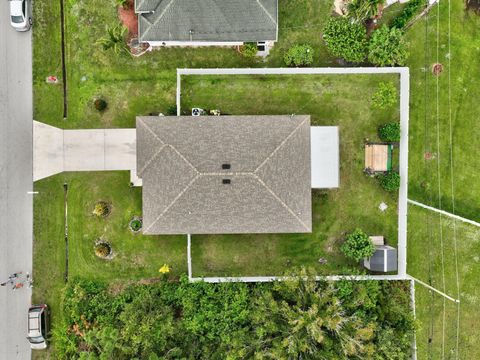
point(383, 260)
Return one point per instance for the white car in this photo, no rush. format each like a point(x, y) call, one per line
point(38, 326)
point(20, 17)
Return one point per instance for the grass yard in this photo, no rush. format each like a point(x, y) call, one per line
point(458, 92)
point(136, 256)
point(435, 102)
point(330, 100)
point(428, 235)
point(138, 86)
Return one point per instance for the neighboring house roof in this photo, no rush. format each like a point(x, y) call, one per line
point(207, 20)
point(180, 162)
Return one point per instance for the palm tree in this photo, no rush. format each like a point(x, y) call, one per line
point(115, 39)
point(362, 10)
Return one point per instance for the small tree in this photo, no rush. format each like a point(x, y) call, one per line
point(358, 246)
point(390, 181)
point(385, 96)
point(299, 55)
point(389, 132)
point(346, 39)
point(115, 39)
point(387, 47)
point(249, 50)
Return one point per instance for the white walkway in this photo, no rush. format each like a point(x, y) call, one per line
point(56, 150)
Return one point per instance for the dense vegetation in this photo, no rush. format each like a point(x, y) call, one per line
point(295, 319)
point(346, 39)
point(299, 55)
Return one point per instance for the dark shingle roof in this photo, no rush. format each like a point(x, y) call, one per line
point(207, 20)
point(180, 162)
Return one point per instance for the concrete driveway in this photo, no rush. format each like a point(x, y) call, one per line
point(56, 150)
point(16, 213)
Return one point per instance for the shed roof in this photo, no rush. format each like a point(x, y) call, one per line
point(383, 260)
point(181, 162)
point(207, 20)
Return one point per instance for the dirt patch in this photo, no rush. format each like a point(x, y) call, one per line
point(437, 69)
point(129, 19)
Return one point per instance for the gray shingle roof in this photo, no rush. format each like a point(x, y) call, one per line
point(180, 162)
point(207, 20)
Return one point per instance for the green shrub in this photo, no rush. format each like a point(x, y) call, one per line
point(389, 132)
point(136, 225)
point(123, 3)
point(385, 96)
point(390, 181)
point(299, 55)
point(101, 209)
point(249, 50)
point(102, 249)
point(412, 8)
point(227, 321)
point(345, 39)
point(100, 104)
point(387, 47)
point(114, 39)
point(358, 246)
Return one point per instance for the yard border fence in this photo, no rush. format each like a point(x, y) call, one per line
point(404, 74)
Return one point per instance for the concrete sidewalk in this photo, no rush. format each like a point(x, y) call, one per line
point(56, 150)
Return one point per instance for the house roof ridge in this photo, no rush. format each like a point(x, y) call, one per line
point(179, 195)
point(281, 202)
point(284, 141)
point(267, 13)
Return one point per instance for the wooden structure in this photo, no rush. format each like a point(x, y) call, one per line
point(378, 157)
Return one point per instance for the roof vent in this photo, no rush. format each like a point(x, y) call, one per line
point(226, 181)
point(226, 166)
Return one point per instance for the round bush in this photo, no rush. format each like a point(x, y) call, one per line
point(389, 132)
point(100, 104)
point(136, 224)
point(390, 181)
point(249, 50)
point(358, 246)
point(299, 55)
point(103, 249)
point(101, 209)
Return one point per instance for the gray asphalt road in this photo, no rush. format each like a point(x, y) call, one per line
point(16, 215)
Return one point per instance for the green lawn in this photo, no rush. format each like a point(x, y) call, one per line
point(138, 86)
point(425, 184)
point(330, 100)
point(136, 256)
point(425, 255)
point(430, 181)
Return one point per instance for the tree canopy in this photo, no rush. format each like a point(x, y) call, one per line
point(298, 318)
